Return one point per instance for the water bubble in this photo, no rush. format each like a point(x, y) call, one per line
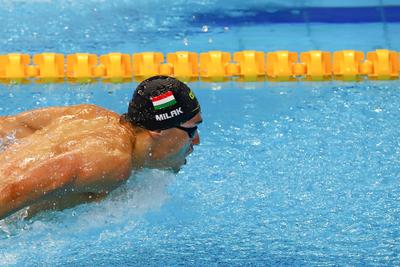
point(204, 28)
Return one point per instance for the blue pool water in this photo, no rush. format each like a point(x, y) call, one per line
point(287, 173)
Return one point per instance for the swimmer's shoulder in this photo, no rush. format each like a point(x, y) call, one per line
point(120, 133)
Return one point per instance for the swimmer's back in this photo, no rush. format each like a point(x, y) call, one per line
point(83, 129)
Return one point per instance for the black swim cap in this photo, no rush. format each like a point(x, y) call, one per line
point(160, 103)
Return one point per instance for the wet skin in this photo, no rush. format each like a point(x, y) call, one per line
point(64, 156)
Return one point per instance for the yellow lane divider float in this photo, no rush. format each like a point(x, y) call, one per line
point(213, 66)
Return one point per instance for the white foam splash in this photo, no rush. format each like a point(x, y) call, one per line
point(143, 192)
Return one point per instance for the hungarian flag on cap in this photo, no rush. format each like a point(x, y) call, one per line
point(164, 100)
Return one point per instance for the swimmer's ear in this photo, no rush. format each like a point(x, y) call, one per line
point(155, 134)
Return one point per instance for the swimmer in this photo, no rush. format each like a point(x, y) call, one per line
point(63, 156)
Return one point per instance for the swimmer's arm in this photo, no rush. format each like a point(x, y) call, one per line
point(52, 175)
point(64, 202)
point(63, 174)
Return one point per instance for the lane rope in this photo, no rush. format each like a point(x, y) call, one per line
point(212, 66)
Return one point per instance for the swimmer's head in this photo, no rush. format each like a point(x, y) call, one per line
point(160, 103)
point(170, 113)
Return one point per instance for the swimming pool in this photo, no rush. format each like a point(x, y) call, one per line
point(287, 173)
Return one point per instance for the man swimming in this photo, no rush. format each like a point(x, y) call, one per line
point(62, 156)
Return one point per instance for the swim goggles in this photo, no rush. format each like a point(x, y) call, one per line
point(190, 131)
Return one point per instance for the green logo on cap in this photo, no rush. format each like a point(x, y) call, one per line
point(191, 95)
